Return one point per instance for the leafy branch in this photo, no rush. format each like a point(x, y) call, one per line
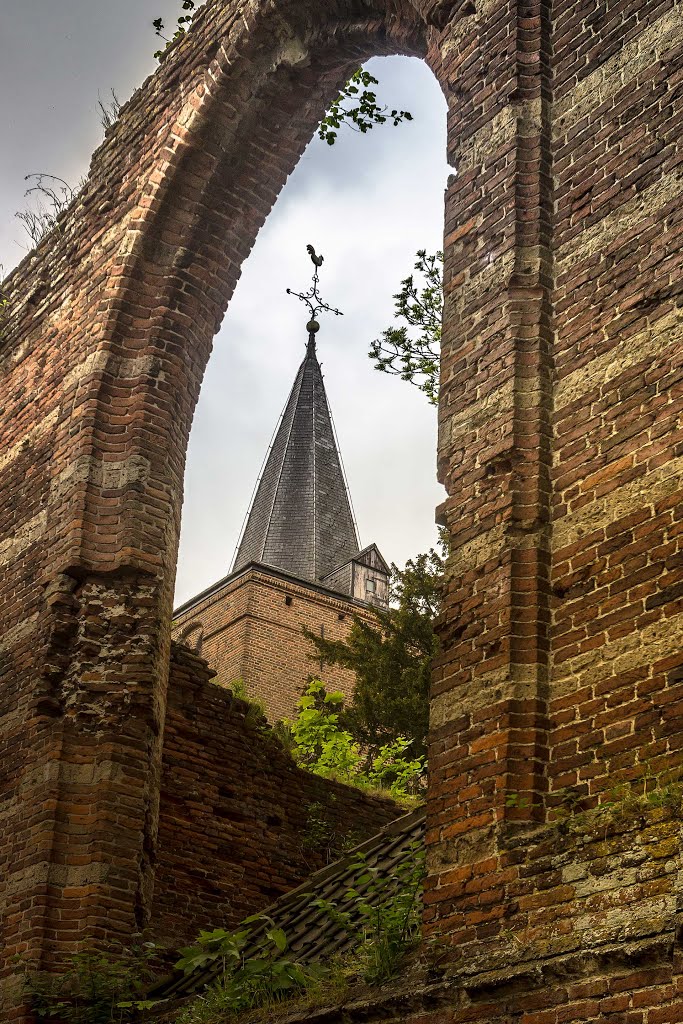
point(181, 22)
point(419, 304)
point(357, 107)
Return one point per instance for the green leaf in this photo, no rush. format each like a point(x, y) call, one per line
point(278, 936)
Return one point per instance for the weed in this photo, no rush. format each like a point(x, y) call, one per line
point(4, 304)
point(97, 988)
point(109, 111)
point(382, 913)
point(53, 196)
point(267, 975)
point(625, 802)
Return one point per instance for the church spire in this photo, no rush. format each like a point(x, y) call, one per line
point(300, 520)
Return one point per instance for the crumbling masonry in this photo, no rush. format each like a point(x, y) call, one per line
point(560, 447)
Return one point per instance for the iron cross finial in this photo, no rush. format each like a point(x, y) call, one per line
point(311, 297)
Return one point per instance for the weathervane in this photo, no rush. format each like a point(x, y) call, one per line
point(311, 297)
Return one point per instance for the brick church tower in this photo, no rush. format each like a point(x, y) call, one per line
point(298, 563)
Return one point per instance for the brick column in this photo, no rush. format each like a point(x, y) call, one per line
point(488, 740)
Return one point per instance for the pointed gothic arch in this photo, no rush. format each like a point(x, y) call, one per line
point(150, 254)
point(151, 250)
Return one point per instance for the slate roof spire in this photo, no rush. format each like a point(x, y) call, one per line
point(301, 520)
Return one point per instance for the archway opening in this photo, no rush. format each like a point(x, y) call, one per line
point(369, 204)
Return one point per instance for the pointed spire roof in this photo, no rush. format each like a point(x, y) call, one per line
point(300, 520)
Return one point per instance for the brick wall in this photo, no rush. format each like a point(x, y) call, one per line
point(559, 433)
point(251, 629)
point(239, 823)
point(589, 915)
point(560, 675)
point(617, 575)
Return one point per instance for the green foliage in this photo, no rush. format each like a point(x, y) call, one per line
point(382, 913)
point(515, 800)
point(181, 21)
point(97, 987)
point(319, 826)
point(626, 802)
point(266, 975)
point(357, 107)
point(320, 744)
point(392, 769)
point(391, 658)
point(255, 717)
point(415, 358)
point(324, 747)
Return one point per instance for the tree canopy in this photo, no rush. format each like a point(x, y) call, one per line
point(391, 658)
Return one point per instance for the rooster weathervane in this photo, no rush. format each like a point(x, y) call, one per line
point(311, 297)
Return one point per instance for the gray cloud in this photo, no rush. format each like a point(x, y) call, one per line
point(367, 203)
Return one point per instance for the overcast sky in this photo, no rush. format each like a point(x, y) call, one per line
point(368, 204)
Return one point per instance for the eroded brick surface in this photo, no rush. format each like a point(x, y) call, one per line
point(559, 442)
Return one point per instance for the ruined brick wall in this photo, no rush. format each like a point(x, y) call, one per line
point(590, 915)
point(559, 438)
point(251, 629)
point(109, 328)
point(561, 674)
point(617, 573)
point(239, 823)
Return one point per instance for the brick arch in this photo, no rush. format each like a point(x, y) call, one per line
point(561, 630)
point(193, 636)
point(114, 317)
point(202, 199)
point(149, 256)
